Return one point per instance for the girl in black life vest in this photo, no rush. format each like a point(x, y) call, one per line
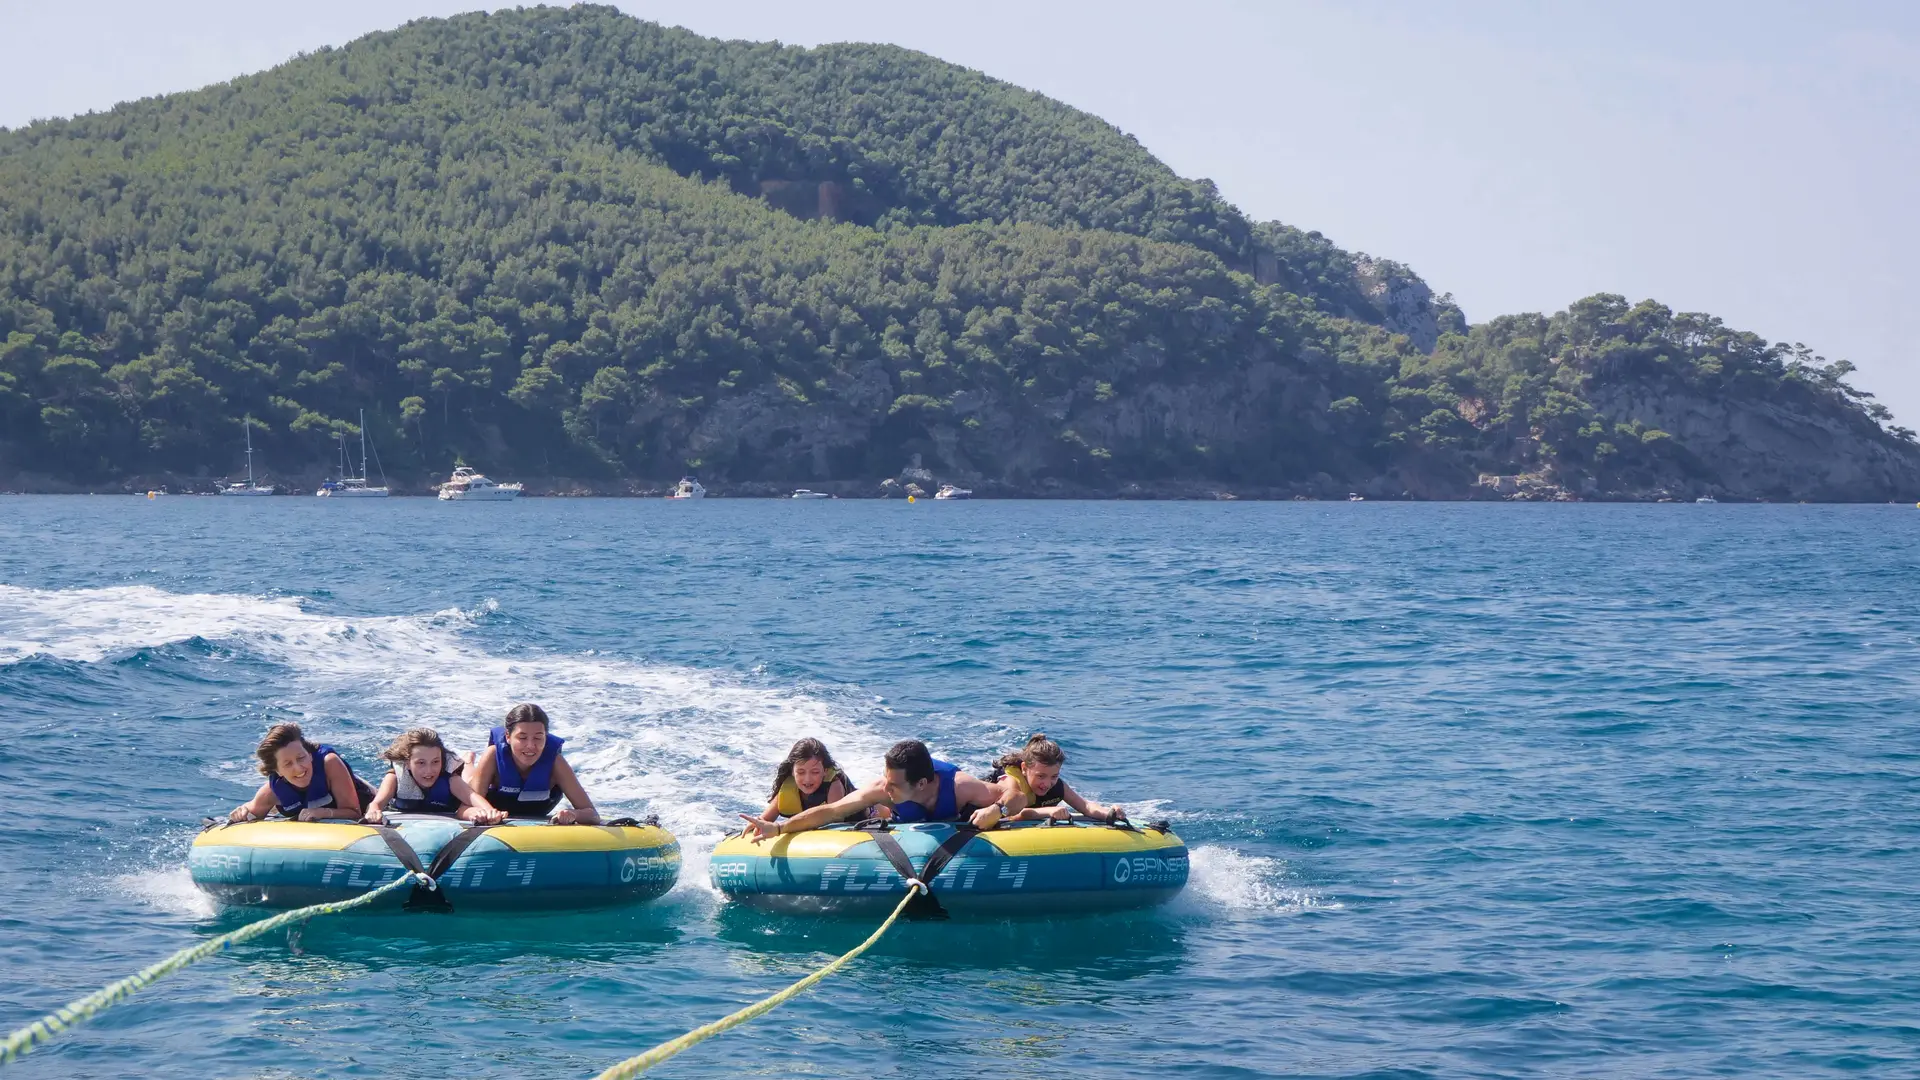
point(1030, 781)
point(809, 777)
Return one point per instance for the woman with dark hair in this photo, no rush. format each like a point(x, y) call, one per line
point(305, 781)
point(1030, 779)
point(523, 773)
point(809, 777)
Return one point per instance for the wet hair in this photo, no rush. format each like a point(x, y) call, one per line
point(279, 737)
point(1039, 750)
point(912, 757)
point(808, 749)
point(404, 746)
point(528, 713)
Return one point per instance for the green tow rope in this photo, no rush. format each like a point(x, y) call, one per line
point(636, 1065)
point(49, 1027)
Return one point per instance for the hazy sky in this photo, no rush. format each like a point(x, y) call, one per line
point(1752, 159)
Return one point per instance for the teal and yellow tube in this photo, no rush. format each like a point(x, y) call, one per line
point(515, 867)
point(1022, 868)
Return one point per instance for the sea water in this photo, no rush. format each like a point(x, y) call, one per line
point(1494, 790)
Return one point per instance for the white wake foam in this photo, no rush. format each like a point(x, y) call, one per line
point(1251, 884)
point(90, 625)
point(171, 891)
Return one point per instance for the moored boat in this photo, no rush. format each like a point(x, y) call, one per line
point(803, 493)
point(354, 487)
point(1027, 867)
point(251, 487)
point(688, 488)
point(470, 486)
point(948, 491)
point(519, 866)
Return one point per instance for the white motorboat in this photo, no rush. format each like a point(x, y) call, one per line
point(1706, 499)
point(250, 487)
point(354, 487)
point(470, 486)
point(948, 491)
point(803, 493)
point(688, 488)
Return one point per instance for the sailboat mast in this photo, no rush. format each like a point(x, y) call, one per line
point(363, 444)
point(249, 423)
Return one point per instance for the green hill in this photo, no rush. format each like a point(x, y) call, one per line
point(568, 242)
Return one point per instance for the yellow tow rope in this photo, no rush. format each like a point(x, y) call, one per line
point(638, 1064)
point(51, 1026)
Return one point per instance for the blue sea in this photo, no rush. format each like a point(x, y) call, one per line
point(1471, 790)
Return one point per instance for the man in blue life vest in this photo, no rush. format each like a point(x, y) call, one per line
point(914, 787)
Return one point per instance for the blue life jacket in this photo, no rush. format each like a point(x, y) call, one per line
point(532, 795)
point(944, 807)
point(409, 798)
point(315, 795)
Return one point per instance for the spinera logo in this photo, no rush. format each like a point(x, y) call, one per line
point(641, 867)
point(1149, 870)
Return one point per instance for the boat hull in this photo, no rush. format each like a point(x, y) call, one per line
point(515, 867)
point(490, 495)
point(1029, 868)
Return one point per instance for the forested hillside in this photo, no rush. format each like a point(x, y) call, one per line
point(571, 243)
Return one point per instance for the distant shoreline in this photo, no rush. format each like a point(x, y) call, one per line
point(1201, 493)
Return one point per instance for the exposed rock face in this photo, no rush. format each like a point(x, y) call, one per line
point(1405, 302)
point(1779, 448)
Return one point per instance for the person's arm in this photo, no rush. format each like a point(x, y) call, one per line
point(772, 812)
point(476, 807)
point(824, 814)
point(971, 791)
point(1088, 807)
point(377, 809)
point(255, 808)
point(582, 812)
point(346, 797)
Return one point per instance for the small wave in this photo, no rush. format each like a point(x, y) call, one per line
point(1252, 884)
point(171, 891)
point(89, 625)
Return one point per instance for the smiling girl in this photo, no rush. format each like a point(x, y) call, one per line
point(1030, 778)
point(523, 773)
point(306, 781)
point(807, 778)
point(419, 783)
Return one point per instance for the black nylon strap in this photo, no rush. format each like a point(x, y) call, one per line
point(402, 850)
point(422, 897)
point(896, 855)
point(925, 904)
point(434, 899)
point(944, 854)
point(455, 848)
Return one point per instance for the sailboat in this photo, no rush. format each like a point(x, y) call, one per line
point(248, 488)
point(354, 487)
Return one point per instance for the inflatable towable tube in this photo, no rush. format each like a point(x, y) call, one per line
point(1027, 867)
point(519, 866)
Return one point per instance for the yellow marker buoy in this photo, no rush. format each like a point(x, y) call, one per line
point(909, 498)
point(149, 494)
